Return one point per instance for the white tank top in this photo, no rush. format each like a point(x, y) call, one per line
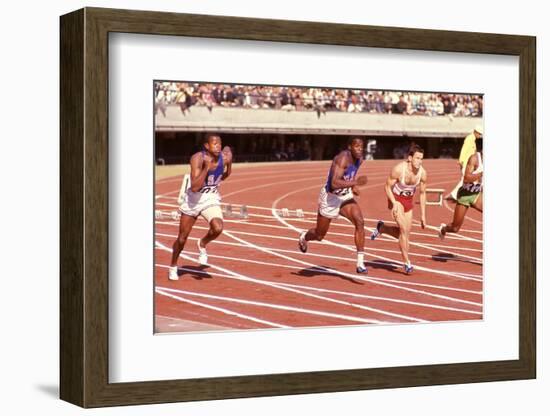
point(403, 189)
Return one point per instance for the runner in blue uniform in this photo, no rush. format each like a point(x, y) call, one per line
point(209, 167)
point(337, 198)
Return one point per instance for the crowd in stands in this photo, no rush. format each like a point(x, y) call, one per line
point(320, 100)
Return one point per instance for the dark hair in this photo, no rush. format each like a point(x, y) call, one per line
point(208, 135)
point(352, 138)
point(413, 148)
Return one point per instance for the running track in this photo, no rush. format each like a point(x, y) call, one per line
point(257, 277)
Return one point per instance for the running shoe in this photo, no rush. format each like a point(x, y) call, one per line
point(408, 268)
point(203, 255)
point(362, 269)
point(376, 232)
point(173, 273)
point(442, 232)
point(302, 242)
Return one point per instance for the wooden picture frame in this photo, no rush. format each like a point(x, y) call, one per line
point(84, 207)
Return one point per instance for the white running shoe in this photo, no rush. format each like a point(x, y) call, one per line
point(441, 232)
point(302, 242)
point(203, 255)
point(173, 273)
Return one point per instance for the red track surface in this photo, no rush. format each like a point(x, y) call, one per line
point(258, 278)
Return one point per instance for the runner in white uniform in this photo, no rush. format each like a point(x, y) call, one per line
point(401, 185)
point(208, 168)
point(337, 198)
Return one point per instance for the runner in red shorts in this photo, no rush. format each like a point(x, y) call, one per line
point(401, 186)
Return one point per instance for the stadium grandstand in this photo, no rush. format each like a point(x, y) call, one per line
point(282, 123)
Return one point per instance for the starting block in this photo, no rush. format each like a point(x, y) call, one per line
point(231, 212)
point(439, 192)
point(168, 215)
point(291, 213)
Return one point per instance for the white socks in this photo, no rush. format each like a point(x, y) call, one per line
point(360, 259)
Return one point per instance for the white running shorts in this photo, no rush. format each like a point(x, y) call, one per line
point(329, 203)
point(207, 205)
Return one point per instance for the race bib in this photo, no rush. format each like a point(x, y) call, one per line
point(209, 189)
point(342, 191)
point(472, 187)
point(406, 193)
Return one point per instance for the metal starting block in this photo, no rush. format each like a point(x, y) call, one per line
point(239, 211)
point(291, 213)
point(167, 215)
point(439, 194)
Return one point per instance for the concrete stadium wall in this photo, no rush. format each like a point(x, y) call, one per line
point(239, 120)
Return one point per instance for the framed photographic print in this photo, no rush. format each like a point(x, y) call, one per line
point(253, 207)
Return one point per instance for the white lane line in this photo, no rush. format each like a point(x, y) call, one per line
point(293, 239)
point(477, 260)
point(447, 288)
point(406, 302)
point(455, 236)
point(242, 277)
point(314, 214)
point(349, 275)
point(281, 227)
point(324, 256)
point(167, 194)
point(331, 243)
point(275, 306)
point(313, 269)
point(317, 289)
point(462, 230)
point(347, 225)
point(222, 310)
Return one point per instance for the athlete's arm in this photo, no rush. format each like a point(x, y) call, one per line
point(392, 180)
point(199, 170)
point(228, 159)
point(423, 181)
point(338, 168)
point(470, 174)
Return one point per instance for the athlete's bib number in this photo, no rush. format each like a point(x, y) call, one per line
point(406, 193)
point(341, 192)
point(472, 187)
point(209, 190)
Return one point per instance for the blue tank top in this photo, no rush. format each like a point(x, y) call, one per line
point(213, 177)
point(349, 175)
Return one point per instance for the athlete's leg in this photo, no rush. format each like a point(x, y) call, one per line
point(186, 224)
point(320, 230)
point(478, 204)
point(352, 212)
point(404, 221)
point(404, 236)
point(382, 227)
point(216, 228)
point(458, 219)
point(213, 215)
point(393, 230)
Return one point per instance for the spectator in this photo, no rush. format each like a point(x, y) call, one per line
point(401, 106)
point(319, 100)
